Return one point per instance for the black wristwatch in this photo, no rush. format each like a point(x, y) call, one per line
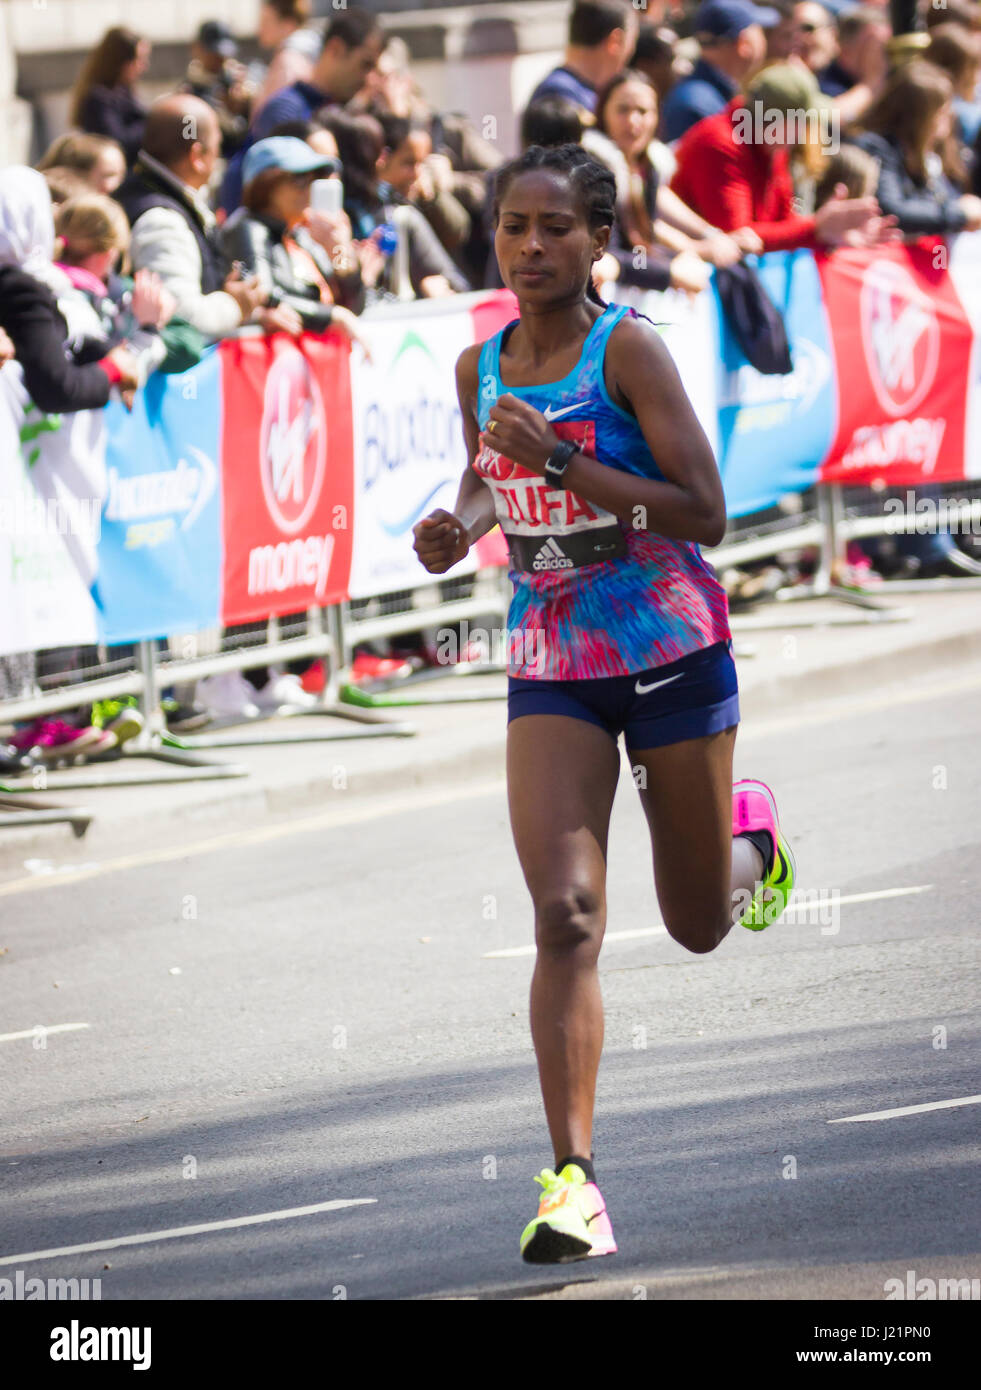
point(559, 461)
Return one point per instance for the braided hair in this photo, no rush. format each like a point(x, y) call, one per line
point(592, 182)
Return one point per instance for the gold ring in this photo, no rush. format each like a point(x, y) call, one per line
point(492, 427)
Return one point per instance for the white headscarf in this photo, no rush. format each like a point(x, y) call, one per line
point(26, 221)
point(27, 239)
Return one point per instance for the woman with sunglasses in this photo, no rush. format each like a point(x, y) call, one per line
point(272, 235)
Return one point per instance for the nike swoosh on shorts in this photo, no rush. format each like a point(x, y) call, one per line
point(646, 689)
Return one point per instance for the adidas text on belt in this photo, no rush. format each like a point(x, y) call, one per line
point(551, 554)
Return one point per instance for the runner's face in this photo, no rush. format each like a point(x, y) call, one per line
point(544, 246)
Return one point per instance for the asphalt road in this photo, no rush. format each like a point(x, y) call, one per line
point(307, 1012)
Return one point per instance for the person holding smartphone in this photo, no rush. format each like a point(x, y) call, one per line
point(270, 236)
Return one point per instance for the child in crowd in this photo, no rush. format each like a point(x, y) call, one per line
point(92, 238)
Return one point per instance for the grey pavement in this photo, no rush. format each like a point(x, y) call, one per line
point(327, 1003)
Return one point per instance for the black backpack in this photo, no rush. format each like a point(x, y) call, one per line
point(754, 319)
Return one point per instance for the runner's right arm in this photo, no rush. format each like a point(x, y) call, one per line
point(444, 538)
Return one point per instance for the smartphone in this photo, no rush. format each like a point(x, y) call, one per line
point(327, 195)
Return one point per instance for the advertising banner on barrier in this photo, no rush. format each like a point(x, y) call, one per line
point(409, 453)
point(687, 325)
point(965, 271)
point(287, 475)
point(902, 345)
point(46, 530)
point(774, 431)
point(160, 551)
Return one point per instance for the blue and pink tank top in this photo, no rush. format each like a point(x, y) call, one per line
point(656, 603)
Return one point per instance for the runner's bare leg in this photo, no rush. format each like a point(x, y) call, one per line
point(562, 777)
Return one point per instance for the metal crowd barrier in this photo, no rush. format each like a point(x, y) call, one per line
point(825, 519)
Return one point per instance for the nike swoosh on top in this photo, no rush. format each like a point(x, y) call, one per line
point(646, 689)
point(551, 414)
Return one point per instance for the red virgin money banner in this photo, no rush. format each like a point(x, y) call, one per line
point(902, 349)
point(287, 474)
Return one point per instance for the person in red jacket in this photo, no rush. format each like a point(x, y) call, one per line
point(734, 168)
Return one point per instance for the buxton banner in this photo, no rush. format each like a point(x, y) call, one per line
point(46, 538)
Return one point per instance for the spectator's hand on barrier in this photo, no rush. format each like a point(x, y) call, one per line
point(441, 541)
point(718, 250)
point(247, 294)
point(348, 323)
point(130, 379)
point(280, 318)
point(971, 207)
point(7, 350)
point(436, 287)
point(841, 215)
point(689, 273)
point(749, 242)
point(151, 303)
point(878, 231)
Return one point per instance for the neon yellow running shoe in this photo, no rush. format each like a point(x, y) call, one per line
point(753, 808)
point(571, 1224)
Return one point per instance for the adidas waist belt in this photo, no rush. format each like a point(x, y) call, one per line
point(550, 554)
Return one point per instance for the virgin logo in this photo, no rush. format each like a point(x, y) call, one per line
point(292, 442)
point(900, 335)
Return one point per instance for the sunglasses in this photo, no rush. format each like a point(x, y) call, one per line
point(811, 28)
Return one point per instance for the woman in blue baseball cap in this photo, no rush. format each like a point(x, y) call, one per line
point(270, 236)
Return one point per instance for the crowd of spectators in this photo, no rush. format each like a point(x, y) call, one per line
point(181, 221)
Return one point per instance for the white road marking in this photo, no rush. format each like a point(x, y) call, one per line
point(908, 1110)
point(178, 1231)
point(805, 904)
point(42, 1030)
point(237, 839)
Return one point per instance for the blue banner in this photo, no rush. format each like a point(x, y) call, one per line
point(160, 548)
point(774, 431)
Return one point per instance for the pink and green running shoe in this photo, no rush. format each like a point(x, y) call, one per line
point(753, 808)
point(571, 1224)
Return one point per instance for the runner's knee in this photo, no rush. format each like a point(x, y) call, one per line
point(570, 920)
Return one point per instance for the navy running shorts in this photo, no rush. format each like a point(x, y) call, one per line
point(689, 698)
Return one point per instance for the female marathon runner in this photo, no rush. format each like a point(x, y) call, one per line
point(584, 446)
